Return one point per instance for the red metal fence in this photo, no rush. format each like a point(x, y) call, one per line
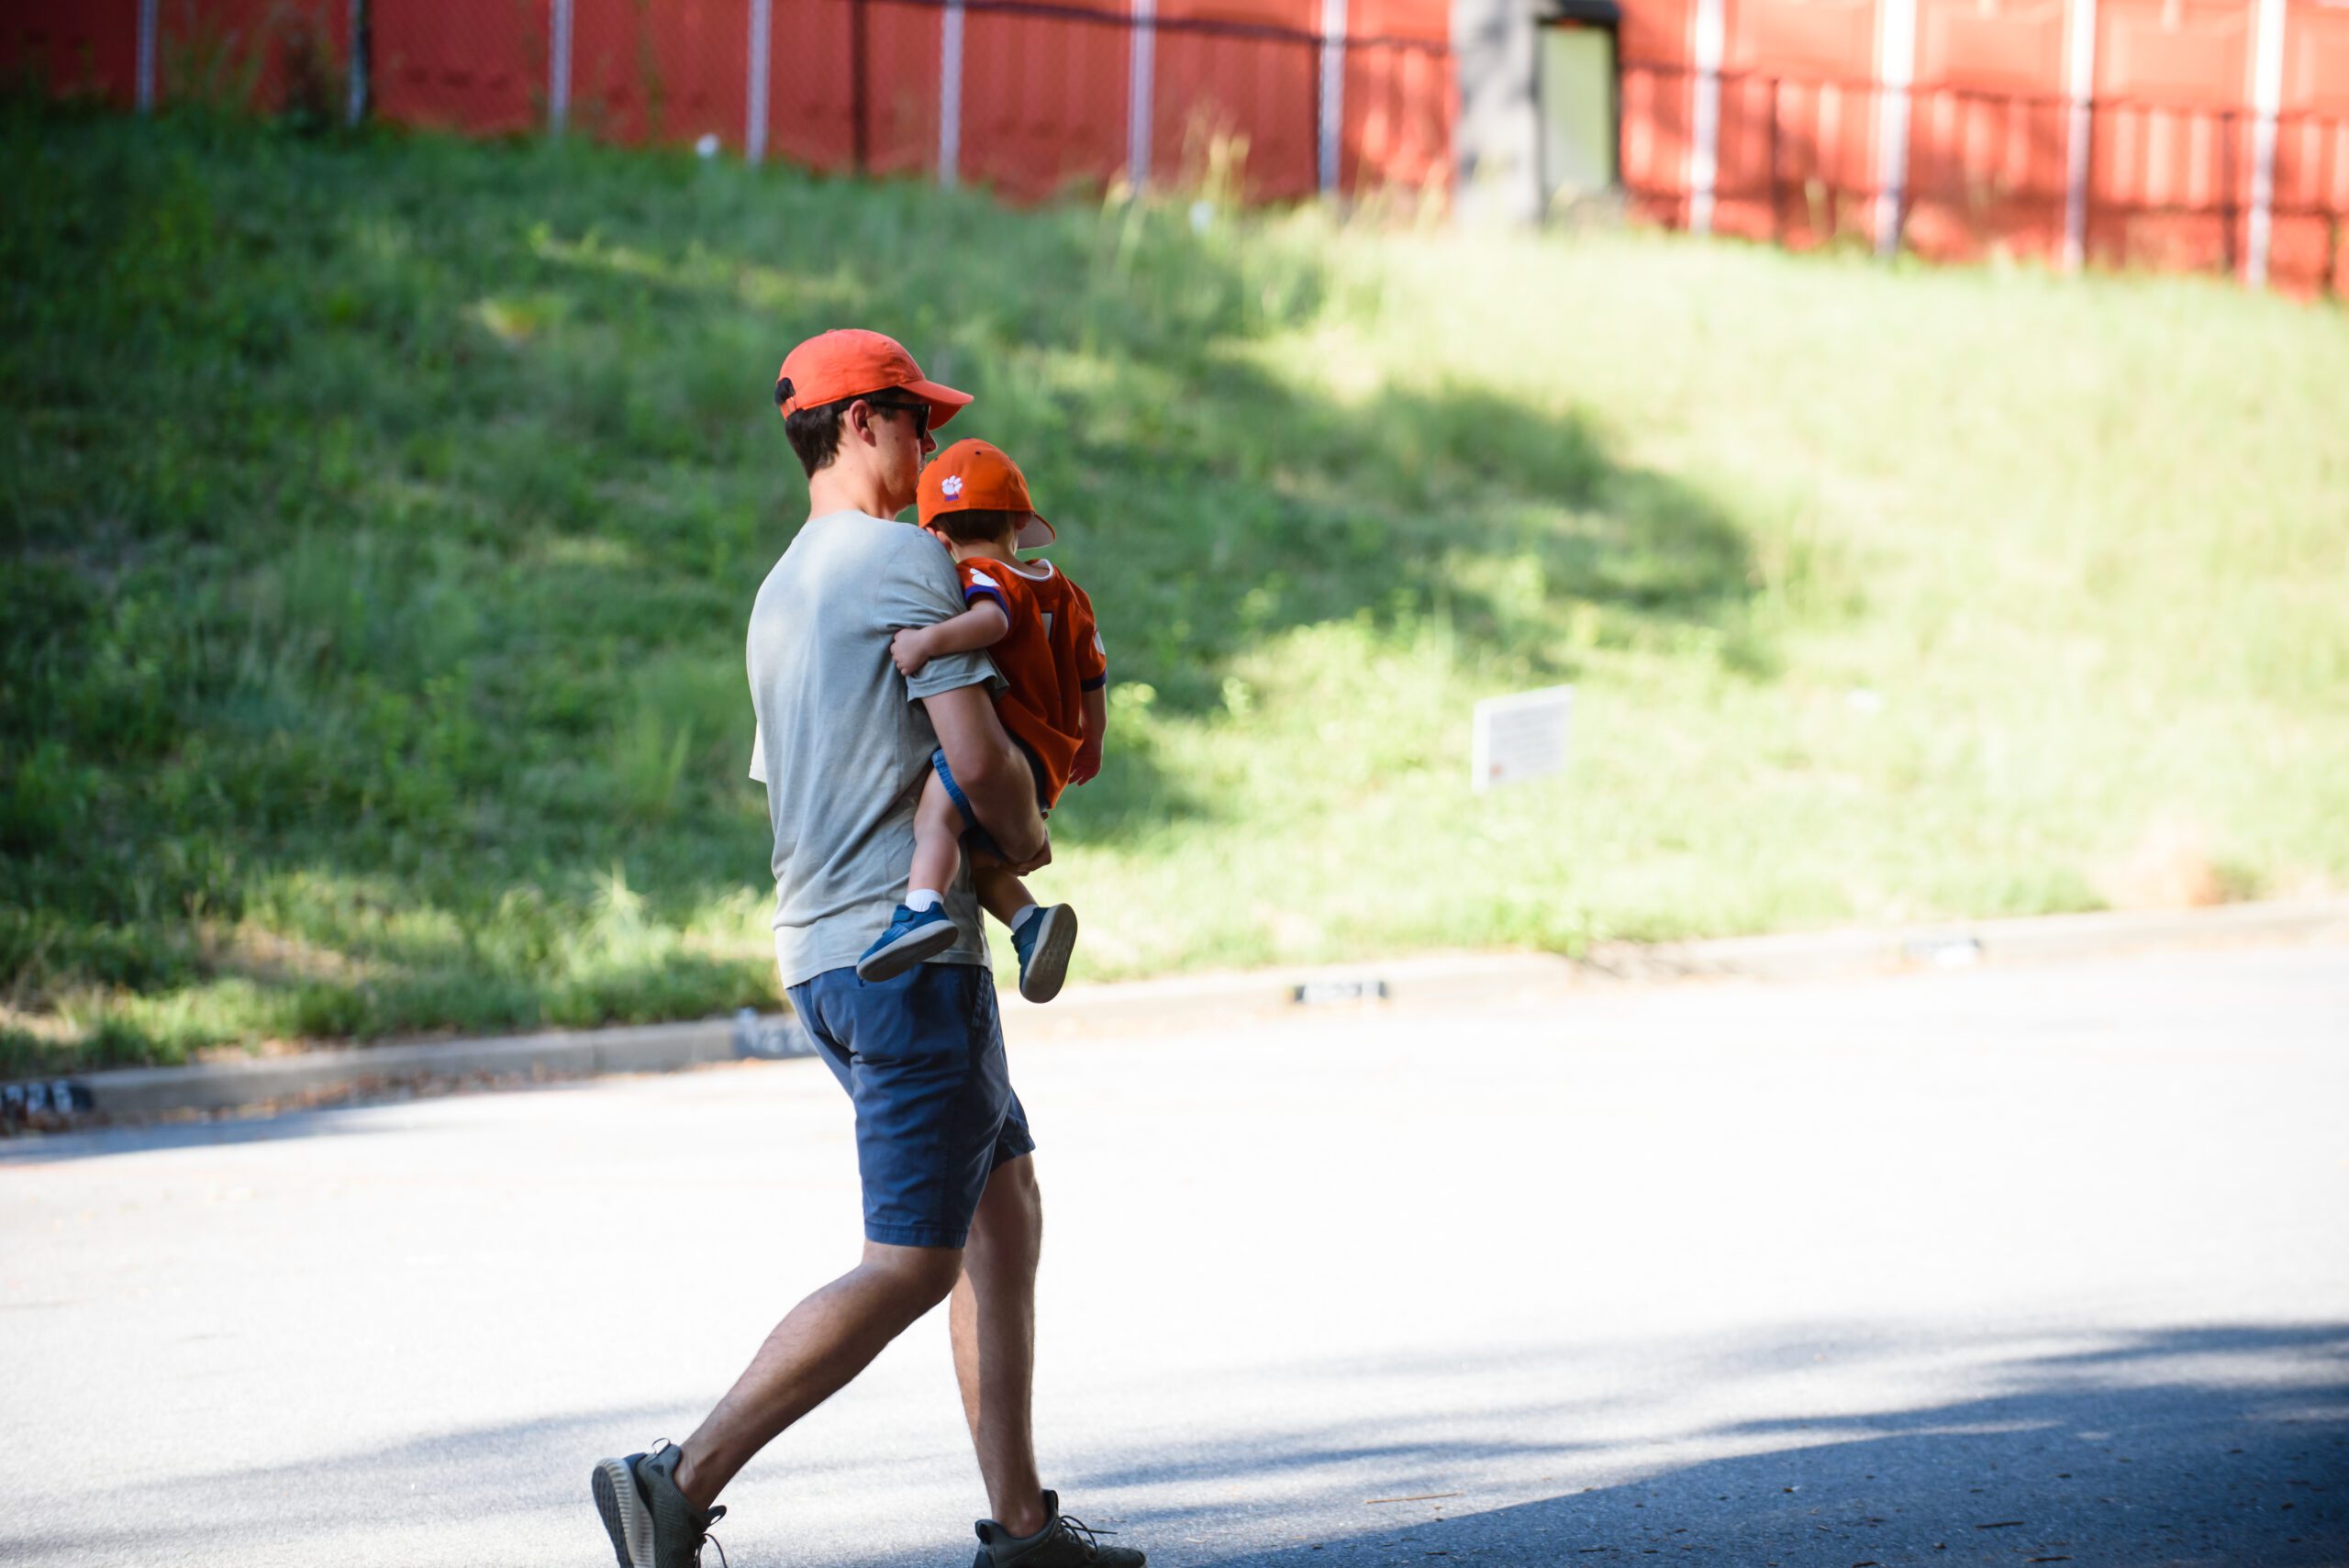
point(1030, 96)
point(2153, 160)
point(1800, 163)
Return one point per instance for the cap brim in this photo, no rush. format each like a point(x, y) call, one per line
point(1034, 534)
point(945, 401)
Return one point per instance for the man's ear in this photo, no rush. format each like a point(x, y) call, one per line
point(857, 419)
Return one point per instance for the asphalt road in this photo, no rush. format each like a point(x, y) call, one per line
point(2047, 1265)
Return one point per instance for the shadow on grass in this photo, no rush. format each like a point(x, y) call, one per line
point(431, 579)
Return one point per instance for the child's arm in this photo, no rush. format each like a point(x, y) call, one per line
point(982, 626)
point(1096, 724)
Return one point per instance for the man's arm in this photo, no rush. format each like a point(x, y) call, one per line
point(982, 626)
point(993, 777)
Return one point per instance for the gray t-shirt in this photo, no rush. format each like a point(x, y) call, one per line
point(843, 743)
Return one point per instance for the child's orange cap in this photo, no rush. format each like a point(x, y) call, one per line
point(849, 362)
point(973, 476)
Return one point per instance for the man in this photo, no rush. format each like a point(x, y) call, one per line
point(843, 744)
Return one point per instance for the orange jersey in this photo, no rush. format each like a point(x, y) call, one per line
point(1050, 657)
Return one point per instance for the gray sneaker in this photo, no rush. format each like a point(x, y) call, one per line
point(1064, 1543)
point(652, 1524)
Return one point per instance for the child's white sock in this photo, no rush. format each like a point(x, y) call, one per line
point(1024, 914)
point(922, 898)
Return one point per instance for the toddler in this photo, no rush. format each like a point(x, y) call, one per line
point(1038, 628)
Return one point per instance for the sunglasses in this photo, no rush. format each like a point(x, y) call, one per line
point(919, 411)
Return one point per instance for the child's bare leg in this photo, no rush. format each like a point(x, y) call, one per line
point(1044, 936)
point(937, 839)
point(1001, 894)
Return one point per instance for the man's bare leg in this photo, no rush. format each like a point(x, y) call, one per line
point(993, 1319)
point(811, 1354)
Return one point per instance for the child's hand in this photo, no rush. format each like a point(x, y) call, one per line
point(1088, 766)
point(910, 650)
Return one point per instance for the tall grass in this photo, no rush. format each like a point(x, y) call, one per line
point(381, 517)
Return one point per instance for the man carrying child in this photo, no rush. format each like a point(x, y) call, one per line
point(844, 744)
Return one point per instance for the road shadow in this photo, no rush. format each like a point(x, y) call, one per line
point(2215, 1446)
point(2204, 1445)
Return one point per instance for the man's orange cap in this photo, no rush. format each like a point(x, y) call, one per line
point(849, 362)
point(972, 476)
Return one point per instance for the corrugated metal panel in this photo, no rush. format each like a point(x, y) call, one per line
point(73, 48)
point(1821, 133)
point(1044, 99)
point(1223, 92)
point(1987, 133)
point(2312, 149)
point(670, 74)
point(473, 65)
point(2169, 169)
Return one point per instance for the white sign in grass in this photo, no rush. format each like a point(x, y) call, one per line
point(1520, 737)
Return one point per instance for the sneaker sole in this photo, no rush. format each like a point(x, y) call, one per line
point(1047, 969)
point(906, 952)
point(625, 1518)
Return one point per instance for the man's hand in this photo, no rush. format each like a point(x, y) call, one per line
point(910, 650)
point(1043, 858)
point(1088, 766)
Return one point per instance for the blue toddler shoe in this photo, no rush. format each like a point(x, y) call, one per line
point(912, 936)
point(1044, 944)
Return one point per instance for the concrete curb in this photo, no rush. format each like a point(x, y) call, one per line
point(1504, 979)
point(1439, 980)
point(228, 1085)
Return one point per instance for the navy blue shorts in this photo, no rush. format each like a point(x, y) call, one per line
point(974, 836)
point(922, 1058)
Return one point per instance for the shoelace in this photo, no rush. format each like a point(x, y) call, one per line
point(716, 1514)
point(1079, 1528)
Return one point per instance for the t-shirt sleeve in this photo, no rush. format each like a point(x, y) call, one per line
point(920, 589)
point(758, 752)
point(1092, 656)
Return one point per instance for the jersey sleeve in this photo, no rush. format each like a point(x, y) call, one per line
point(980, 587)
point(1092, 656)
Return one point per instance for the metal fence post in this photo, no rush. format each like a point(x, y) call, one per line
point(146, 20)
point(1330, 115)
point(2079, 88)
point(1704, 153)
point(1141, 67)
point(2227, 184)
point(754, 112)
point(1896, 70)
point(949, 94)
point(559, 68)
point(2266, 98)
point(858, 138)
point(355, 110)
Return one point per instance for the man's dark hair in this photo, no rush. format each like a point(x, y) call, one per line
point(814, 433)
point(977, 524)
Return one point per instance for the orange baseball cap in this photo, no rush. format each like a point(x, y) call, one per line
point(973, 476)
point(849, 362)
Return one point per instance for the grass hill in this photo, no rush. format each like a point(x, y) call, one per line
point(381, 517)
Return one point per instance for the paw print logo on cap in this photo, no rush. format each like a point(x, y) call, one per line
point(952, 487)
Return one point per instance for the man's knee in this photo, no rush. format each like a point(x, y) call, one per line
point(921, 1277)
point(1012, 1192)
point(1011, 1212)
